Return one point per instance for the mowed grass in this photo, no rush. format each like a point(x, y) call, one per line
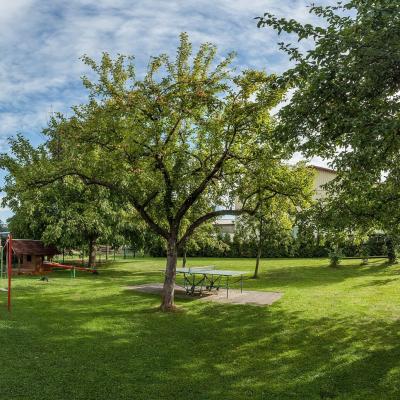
point(335, 334)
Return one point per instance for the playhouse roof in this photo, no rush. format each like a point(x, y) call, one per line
point(33, 247)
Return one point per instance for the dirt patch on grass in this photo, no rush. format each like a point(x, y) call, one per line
point(252, 297)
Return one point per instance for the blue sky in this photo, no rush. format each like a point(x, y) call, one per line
point(41, 42)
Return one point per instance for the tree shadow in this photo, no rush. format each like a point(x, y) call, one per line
point(106, 343)
point(376, 282)
point(62, 344)
point(306, 275)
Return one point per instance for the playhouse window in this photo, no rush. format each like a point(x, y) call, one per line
point(28, 258)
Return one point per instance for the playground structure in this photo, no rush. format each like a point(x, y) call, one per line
point(50, 265)
point(36, 264)
point(9, 268)
point(29, 256)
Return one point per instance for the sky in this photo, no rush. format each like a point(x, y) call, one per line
point(41, 42)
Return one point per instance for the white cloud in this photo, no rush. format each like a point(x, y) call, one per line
point(41, 42)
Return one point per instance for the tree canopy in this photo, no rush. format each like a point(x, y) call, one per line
point(66, 213)
point(345, 105)
point(181, 145)
point(346, 98)
point(359, 209)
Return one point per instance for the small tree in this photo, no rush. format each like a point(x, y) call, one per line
point(278, 213)
point(335, 257)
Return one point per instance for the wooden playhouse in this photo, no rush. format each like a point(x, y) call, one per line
point(29, 255)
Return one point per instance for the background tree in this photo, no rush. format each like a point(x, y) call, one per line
point(132, 229)
point(345, 105)
point(66, 213)
point(218, 244)
point(205, 236)
point(187, 138)
point(359, 209)
point(308, 238)
point(276, 215)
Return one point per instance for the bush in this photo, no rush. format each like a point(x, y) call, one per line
point(335, 258)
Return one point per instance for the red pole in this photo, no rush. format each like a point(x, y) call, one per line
point(9, 271)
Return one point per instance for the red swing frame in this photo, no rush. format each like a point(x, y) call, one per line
point(9, 270)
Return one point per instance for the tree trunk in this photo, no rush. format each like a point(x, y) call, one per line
point(391, 251)
point(92, 253)
point(184, 258)
point(170, 273)
point(255, 276)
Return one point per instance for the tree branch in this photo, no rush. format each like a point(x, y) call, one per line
point(150, 198)
point(140, 208)
point(172, 131)
point(209, 216)
point(168, 188)
point(199, 190)
point(150, 222)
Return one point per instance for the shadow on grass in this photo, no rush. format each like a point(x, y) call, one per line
point(305, 275)
point(118, 346)
point(376, 282)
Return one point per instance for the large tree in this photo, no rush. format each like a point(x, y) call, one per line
point(346, 102)
point(181, 144)
point(346, 88)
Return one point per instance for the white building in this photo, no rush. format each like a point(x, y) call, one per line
point(322, 176)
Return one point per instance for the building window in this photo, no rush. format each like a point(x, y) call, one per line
point(29, 258)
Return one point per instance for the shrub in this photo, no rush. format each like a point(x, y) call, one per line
point(335, 258)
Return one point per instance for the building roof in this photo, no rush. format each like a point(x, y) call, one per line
point(33, 247)
point(317, 167)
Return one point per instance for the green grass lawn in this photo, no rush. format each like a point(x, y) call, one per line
point(335, 334)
